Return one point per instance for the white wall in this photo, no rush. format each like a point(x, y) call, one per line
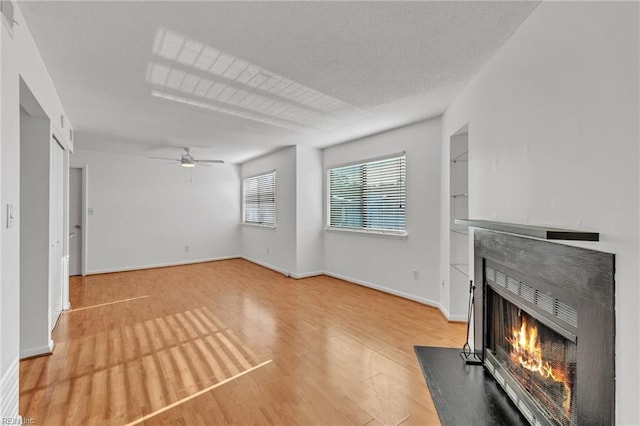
point(34, 234)
point(383, 261)
point(553, 135)
point(8, 397)
point(310, 205)
point(274, 247)
point(19, 57)
point(146, 211)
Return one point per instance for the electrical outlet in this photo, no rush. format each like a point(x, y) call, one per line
point(442, 283)
point(187, 248)
point(91, 211)
point(268, 252)
point(416, 274)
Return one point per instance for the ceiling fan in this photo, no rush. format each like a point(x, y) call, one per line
point(187, 160)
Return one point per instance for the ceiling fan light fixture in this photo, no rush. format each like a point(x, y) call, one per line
point(187, 160)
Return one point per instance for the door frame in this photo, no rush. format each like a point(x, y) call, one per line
point(83, 217)
point(57, 134)
point(61, 262)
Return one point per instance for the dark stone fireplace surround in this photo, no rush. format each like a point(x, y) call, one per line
point(580, 278)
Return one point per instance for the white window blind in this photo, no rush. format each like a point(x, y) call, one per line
point(259, 199)
point(368, 196)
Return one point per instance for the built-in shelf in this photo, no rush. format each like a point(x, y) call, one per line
point(543, 232)
point(459, 240)
point(463, 268)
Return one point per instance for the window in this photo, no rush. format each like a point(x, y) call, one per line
point(368, 196)
point(259, 199)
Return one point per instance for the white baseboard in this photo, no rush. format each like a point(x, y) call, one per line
point(402, 294)
point(268, 266)
point(283, 271)
point(41, 350)
point(307, 275)
point(457, 318)
point(452, 318)
point(9, 391)
point(158, 265)
point(443, 311)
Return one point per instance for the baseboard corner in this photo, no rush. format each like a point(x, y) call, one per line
point(37, 351)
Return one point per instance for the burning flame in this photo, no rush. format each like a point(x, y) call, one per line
point(526, 350)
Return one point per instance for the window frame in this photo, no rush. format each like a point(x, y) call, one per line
point(375, 231)
point(244, 201)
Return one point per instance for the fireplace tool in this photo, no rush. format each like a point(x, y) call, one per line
point(468, 355)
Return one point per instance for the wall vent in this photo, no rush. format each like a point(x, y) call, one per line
point(547, 303)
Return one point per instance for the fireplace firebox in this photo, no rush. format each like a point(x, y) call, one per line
point(539, 362)
point(547, 335)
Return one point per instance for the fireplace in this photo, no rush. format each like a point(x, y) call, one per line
point(538, 362)
point(547, 335)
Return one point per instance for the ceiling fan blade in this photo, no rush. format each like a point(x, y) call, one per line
point(210, 161)
point(163, 158)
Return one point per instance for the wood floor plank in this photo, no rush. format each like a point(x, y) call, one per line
point(233, 343)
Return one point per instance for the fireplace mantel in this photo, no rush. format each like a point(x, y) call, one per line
point(543, 232)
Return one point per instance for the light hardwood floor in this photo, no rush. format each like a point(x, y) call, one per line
point(232, 343)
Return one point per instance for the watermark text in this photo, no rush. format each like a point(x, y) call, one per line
point(18, 420)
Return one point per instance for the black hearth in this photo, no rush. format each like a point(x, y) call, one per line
point(547, 335)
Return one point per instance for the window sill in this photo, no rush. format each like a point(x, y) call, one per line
point(396, 234)
point(258, 225)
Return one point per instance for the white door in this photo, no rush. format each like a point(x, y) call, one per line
point(75, 221)
point(56, 231)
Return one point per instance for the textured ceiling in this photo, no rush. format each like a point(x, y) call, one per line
point(239, 79)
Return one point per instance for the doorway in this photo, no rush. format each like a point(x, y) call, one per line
point(42, 221)
point(76, 221)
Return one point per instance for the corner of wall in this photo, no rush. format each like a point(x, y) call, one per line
point(309, 212)
point(274, 247)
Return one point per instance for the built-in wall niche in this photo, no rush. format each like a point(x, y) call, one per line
point(459, 209)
